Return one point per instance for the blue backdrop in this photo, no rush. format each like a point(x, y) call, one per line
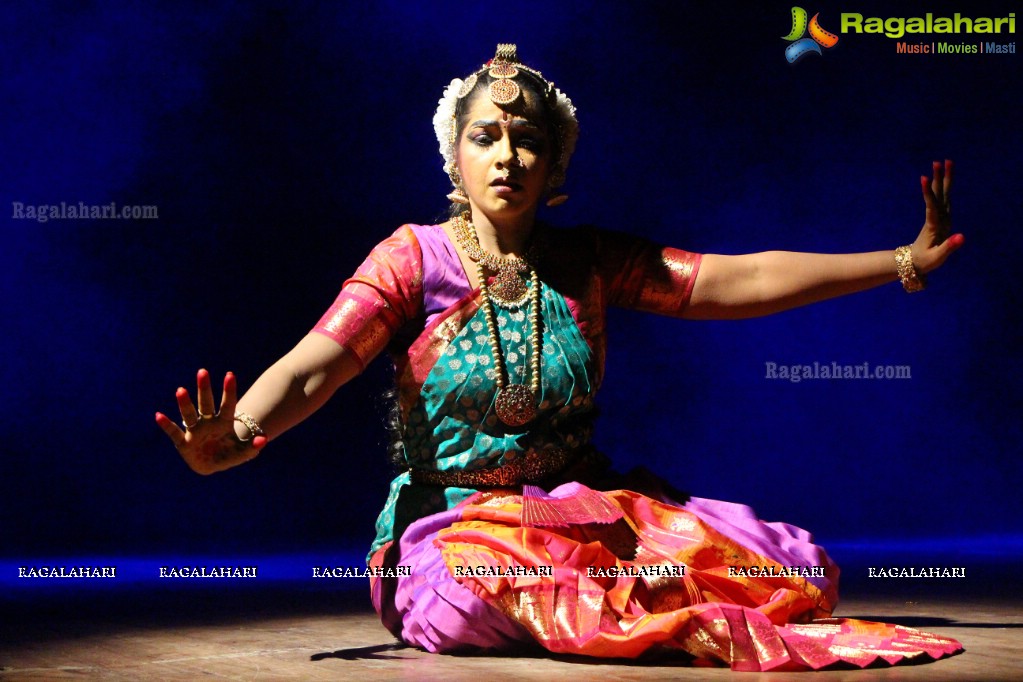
point(280, 141)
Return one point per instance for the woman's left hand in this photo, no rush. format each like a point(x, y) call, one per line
point(936, 241)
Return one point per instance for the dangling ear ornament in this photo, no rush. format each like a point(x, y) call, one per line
point(457, 196)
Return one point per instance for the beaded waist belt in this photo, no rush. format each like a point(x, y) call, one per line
point(531, 467)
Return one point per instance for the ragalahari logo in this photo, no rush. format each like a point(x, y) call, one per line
point(801, 46)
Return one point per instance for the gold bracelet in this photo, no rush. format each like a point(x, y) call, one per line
point(251, 424)
point(912, 281)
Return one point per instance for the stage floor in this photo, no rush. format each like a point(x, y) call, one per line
point(291, 632)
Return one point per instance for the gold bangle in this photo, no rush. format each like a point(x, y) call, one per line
point(912, 281)
point(251, 424)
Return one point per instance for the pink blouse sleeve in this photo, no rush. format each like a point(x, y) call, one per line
point(384, 293)
point(642, 275)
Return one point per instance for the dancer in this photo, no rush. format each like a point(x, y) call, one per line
point(515, 529)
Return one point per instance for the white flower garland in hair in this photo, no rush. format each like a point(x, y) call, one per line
point(568, 124)
point(444, 121)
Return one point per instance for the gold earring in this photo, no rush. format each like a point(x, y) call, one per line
point(557, 179)
point(458, 196)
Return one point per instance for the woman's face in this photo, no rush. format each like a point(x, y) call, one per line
point(504, 160)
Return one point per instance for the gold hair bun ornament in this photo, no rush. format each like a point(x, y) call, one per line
point(912, 281)
point(507, 52)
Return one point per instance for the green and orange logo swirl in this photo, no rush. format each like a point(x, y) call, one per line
point(802, 46)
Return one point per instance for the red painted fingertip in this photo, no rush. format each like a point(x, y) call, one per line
point(259, 441)
point(202, 375)
point(158, 415)
point(957, 240)
point(181, 392)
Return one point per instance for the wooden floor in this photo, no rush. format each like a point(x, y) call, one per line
point(288, 632)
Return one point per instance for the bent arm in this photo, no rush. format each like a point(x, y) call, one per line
point(297, 385)
point(288, 392)
point(384, 294)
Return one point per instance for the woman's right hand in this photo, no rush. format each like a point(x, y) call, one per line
point(209, 442)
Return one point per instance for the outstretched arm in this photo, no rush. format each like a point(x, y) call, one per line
point(733, 287)
point(384, 293)
point(285, 394)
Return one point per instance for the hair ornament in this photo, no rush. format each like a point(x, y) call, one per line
point(503, 90)
point(468, 85)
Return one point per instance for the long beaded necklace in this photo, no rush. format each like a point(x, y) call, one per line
point(516, 404)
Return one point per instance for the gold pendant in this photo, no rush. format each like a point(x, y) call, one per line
point(508, 289)
point(515, 405)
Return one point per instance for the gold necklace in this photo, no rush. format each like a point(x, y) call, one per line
point(508, 290)
point(515, 404)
